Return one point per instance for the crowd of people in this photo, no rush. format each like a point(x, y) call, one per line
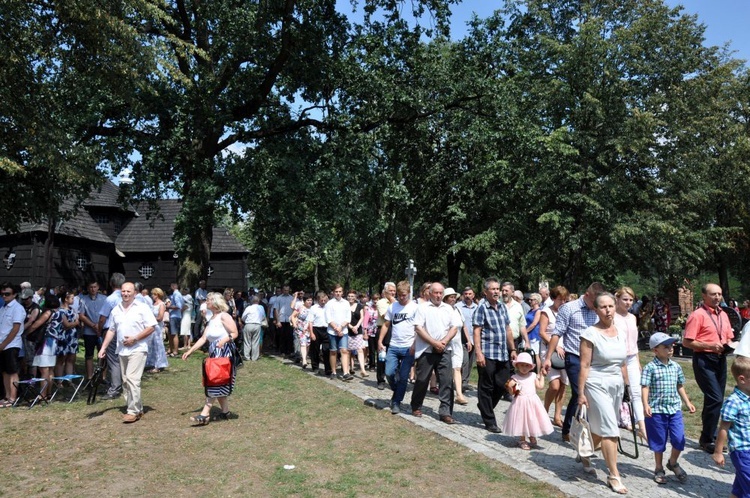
point(519, 344)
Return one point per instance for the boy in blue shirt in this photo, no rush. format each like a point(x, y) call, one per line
point(735, 426)
point(662, 386)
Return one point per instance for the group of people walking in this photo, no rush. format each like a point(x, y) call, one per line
point(589, 343)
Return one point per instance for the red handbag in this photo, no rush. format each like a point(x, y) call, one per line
point(217, 371)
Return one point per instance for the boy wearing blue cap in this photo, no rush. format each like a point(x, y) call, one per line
point(662, 383)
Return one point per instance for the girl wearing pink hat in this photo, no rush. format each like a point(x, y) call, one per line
point(526, 416)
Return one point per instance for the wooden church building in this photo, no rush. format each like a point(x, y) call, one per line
point(104, 237)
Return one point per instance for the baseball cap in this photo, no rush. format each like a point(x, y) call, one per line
point(659, 339)
point(26, 293)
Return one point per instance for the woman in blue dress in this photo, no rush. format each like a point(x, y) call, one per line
point(67, 345)
point(157, 355)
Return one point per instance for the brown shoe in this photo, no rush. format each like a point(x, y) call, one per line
point(129, 418)
point(448, 419)
point(416, 413)
point(566, 438)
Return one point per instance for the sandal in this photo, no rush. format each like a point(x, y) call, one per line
point(660, 477)
point(201, 419)
point(678, 472)
point(615, 484)
point(153, 371)
point(524, 445)
point(5, 403)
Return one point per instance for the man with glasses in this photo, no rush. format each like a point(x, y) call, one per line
point(12, 318)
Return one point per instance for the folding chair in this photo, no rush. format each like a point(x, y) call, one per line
point(67, 378)
point(29, 392)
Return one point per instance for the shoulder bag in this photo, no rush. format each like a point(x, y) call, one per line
point(580, 434)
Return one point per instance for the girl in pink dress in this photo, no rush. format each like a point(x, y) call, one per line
point(526, 416)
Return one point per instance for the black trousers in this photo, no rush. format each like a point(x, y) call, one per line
point(711, 376)
point(286, 338)
point(372, 349)
point(491, 388)
point(320, 346)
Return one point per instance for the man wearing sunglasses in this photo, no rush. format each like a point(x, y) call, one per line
point(12, 316)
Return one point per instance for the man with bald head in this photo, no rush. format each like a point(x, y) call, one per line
point(707, 331)
point(131, 322)
point(435, 323)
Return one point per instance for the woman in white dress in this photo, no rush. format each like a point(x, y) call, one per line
point(602, 380)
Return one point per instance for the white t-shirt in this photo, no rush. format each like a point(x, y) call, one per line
point(437, 321)
point(317, 316)
point(11, 314)
point(402, 321)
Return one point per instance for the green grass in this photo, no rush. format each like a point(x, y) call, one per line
point(339, 446)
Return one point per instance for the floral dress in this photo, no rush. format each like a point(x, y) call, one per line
point(157, 355)
point(68, 342)
point(46, 351)
point(303, 329)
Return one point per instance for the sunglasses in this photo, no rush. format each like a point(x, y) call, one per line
point(6, 294)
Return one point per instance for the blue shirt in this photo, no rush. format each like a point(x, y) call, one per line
point(662, 380)
point(572, 319)
point(532, 333)
point(92, 308)
point(468, 313)
point(177, 300)
point(736, 410)
point(494, 323)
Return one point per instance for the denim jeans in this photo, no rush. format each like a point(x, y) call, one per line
point(398, 362)
point(572, 368)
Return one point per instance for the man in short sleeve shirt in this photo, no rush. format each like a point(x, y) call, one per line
point(399, 318)
point(435, 323)
point(707, 331)
point(12, 318)
point(131, 323)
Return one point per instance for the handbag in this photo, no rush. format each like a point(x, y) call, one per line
point(217, 371)
point(558, 362)
point(580, 434)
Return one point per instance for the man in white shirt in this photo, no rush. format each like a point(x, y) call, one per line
point(319, 345)
point(338, 314)
point(435, 323)
point(12, 318)
point(131, 323)
point(399, 319)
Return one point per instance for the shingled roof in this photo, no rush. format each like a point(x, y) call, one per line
point(81, 225)
point(152, 232)
point(106, 196)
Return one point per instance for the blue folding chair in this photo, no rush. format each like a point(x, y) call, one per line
point(59, 382)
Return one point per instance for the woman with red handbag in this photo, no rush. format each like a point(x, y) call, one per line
point(219, 370)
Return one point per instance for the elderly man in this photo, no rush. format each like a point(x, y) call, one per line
point(516, 315)
point(91, 307)
point(707, 331)
point(389, 297)
point(175, 319)
point(435, 323)
point(495, 348)
point(131, 322)
point(572, 319)
point(546, 300)
point(12, 318)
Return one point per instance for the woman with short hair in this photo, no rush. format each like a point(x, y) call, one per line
point(220, 332)
point(602, 382)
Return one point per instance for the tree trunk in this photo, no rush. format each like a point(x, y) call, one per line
point(454, 268)
point(724, 277)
